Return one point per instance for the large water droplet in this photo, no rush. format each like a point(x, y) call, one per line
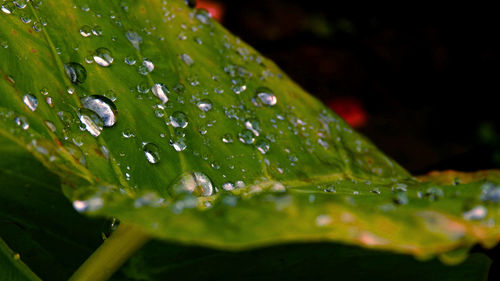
point(76, 72)
point(146, 67)
point(266, 96)
point(103, 106)
point(204, 105)
point(179, 119)
point(103, 57)
point(30, 101)
point(152, 153)
point(160, 91)
point(246, 136)
point(195, 183)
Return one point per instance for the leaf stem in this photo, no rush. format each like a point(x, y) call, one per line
point(110, 256)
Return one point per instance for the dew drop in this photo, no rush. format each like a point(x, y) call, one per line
point(160, 91)
point(22, 122)
point(30, 101)
point(179, 144)
point(128, 133)
point(134, 38)
point(97, 30)
point(179, 119)
point(246, 136)
point(75, 72)
point(187, 59)
point(85, 31)
point(227, 138)
point(195, 183)
point(228, 186)
point(152, 153)
point(103, 106)
point(476, 213)
point(266, 96)
point(146, 67)
point(204, 105)
point(262, 146)
point(130, 60)
point(103, 57)
point(7, 8)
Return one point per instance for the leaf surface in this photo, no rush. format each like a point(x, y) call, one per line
point(153, 113)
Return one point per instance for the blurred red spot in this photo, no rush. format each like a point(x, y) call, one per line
point(215, 9)
point(33, 50)
point(350, 109)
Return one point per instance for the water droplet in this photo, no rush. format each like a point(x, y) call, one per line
point(134, 38)
point(266, 96)
point(20, 4)
point(97, 30)
point(227, 138)
point(262, 146)
point(160, 91)
point(178, 143)
point(90, 205)
point(25, 18)
point(179, 119)
point(238, 85)
point(103, 106)
point(146, 67)
point(204, 105)
point(22, 122)
point(246, 136)
point(103, 57)
point(50, 125)
point(37, 27)
point(75, 72)
point(152, 153)
point(400, 198)
point(91, 121)
point(195, 183)
point(130, 60)
point(30, 101)
point(490, 193)
point(44, 91)
point(253, 125)
point(228, 186)
point(476, 213)
point(203, 16)
point(434, 193)
point(85, 31)
point(70, 90)
point(7, 8)
point(187, 59)
point(128, 133)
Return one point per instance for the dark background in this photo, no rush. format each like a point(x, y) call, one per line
point(421, 82)
point(425, 79)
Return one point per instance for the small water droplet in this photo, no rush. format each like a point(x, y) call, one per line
point(37, 27)
point(75, 72)
point(187, 59)
point(204, 105)
point(134, 38)
point(146, 67)
point(262, 146)
point(228, 186)
point(103, 106)
point(227, 138)
point(7, 8)
point(103, 57)
point(128, 133)
point(85, 31)
point(20, 4)
point(160, 91)
point(195, 183)
point(476, 213)
point(97, 30)
point(246, 136)
point(179, 119)
point(130, 60)
point(178, 143)
point(266, 96)
point(152, 153)
point(22, 122)
point(30, 101)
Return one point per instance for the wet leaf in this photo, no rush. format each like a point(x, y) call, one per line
point(151, 112)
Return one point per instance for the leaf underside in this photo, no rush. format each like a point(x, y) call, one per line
point(276, 166)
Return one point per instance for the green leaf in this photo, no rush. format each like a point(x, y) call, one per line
point(12, 268)
point(239, 156)
point(37, 221)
